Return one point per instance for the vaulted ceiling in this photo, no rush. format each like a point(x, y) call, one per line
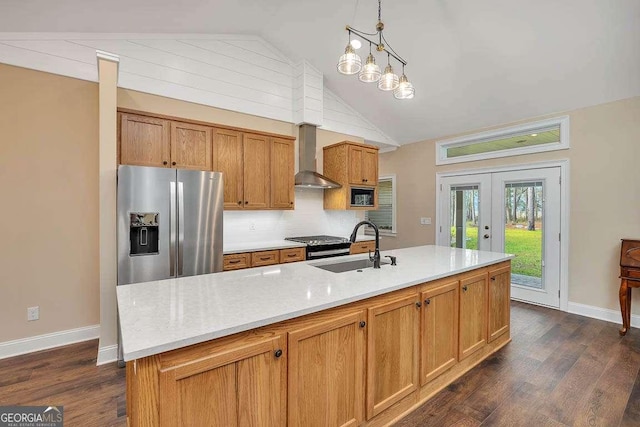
point(473, 63)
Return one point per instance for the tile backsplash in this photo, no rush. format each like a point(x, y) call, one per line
point(308, 218)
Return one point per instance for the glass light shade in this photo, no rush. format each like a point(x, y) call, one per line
point(388, 80)
point(405, 89)
point(349, 63)
point(370, 72)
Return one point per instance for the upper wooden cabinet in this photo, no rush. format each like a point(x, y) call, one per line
point(256, 171)
point(190, 146)
point(227, 158)
point(363, 165)
point(352, 165)
point(282, 176)
point(144, 141)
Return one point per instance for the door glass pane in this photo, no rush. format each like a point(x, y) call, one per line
point(464, 213)
point(523, 232)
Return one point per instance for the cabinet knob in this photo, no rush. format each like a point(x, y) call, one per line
point(464, 288)
point(173, 163)
point(493, 278)
point(246, 202)
point(277, 353)
point(486, 236)
point(427, 301)
point(290, 203)
point(239, 202)
point(418, 304)
point(363, 323)
point(165, 163)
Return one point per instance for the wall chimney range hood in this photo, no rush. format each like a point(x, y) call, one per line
point(308, 177)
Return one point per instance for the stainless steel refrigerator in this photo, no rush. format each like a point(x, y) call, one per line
point(169, 223)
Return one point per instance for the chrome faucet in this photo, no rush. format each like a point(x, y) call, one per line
point(376, 254)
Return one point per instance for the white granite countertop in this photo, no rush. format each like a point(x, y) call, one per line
point(260, 246)
point(164, 315)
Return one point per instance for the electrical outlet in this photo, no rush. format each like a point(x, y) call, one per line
point(252, 226)
point(33, 313)
point(425, 221)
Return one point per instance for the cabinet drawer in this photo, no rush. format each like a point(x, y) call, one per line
point(292, 255)
point(264, 258)
point(236, 261)
point(363, 247)
point(630, 273)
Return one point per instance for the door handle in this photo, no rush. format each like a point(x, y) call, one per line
point(180, 226)
point(172, 229)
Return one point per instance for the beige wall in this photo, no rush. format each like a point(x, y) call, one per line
point(604, 194)
point(49, 190)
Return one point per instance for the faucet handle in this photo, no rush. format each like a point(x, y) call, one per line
point(371, 258)
point(392, 258)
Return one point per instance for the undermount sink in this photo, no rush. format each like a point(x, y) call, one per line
point(341, 267)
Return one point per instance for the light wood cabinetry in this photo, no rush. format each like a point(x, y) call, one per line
point(190, 146)
point(144, 141)
point(326, 372)
point(499, 305)
point(282, 176)
point(352, 165)
point(439, 329)
point(473, 314)
point(258, 168)
point(362, 247)
point(261, 258)
point(362, 364)
point(392, 352)
point(242, 385)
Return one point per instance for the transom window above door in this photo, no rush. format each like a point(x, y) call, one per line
point(545, 135)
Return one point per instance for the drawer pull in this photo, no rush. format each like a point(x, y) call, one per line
point(292, 255)
point(265, 258)
point(234, 261)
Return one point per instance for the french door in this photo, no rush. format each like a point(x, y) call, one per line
point(516, 212)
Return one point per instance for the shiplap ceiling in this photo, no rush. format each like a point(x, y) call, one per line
point(473, 63)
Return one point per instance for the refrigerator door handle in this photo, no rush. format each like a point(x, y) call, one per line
point(180, 226)
point(172, 229)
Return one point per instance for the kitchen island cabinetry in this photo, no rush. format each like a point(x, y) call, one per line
point(326, 371)
point(363, 362)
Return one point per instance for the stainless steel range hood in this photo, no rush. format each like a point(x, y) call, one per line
point(308, 177)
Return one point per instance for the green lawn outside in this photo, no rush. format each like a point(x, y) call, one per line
point(526, 245)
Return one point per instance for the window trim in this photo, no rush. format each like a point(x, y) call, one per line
point(369, 230)
point(562, 121)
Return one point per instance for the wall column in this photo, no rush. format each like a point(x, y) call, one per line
point(107, 112)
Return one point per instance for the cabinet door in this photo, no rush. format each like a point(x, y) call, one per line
point(144, 141)
point(238, 386)
point(256, 161)
point(354, 156)
point(326, 378)
point(363, 247)
point(227, 158)
point(370, 166)
point(282, 176)
point(499, 311)
point(392, 352)
point(190, 146)
point(473, 314)
point(439, 338)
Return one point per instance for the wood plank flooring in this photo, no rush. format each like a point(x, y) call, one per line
point(559, 370)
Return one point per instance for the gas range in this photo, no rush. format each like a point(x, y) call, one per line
point(323, 246)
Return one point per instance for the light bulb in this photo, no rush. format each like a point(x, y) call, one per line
point(349, 63)
point(370, 72)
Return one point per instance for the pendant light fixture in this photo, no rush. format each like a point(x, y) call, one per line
point(350, 62)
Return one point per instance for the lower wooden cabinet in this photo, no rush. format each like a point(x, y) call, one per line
point(362, 247)
point(392, 352)
point(326, 378)
point(473, 314)
point(243, 386)
point(439, 327)
point(499, 308)
point(236, 261)
point(261, 258)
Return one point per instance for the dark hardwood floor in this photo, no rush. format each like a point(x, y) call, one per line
point(560, 369)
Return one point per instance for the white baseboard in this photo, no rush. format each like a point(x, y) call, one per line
point(46, 341)
point(107, 354)
point(613, 316)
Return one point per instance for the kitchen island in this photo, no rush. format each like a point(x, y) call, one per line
point(294, 344)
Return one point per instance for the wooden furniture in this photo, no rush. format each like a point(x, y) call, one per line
point(366, 363)
point(629, 278)
point(352, 165)
point(362, 247)
point(257, 167)
point(261, 258)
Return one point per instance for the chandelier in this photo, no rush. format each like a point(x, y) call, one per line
point(350, 63)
